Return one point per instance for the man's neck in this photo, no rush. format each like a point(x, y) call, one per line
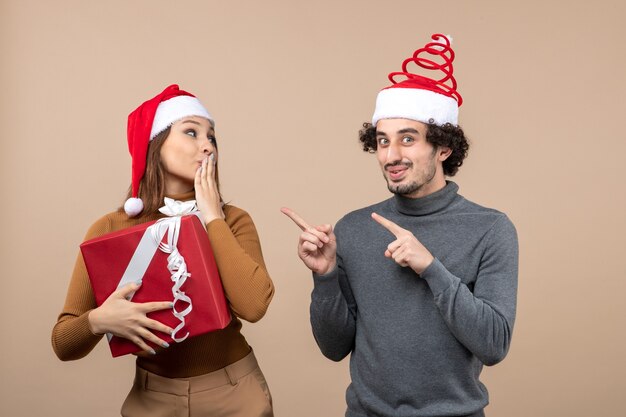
point(436, 184)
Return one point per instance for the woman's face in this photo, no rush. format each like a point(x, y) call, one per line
point(189, 142)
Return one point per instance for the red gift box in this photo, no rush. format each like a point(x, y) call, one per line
point(107, 258)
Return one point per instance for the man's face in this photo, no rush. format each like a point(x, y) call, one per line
point(411, 166)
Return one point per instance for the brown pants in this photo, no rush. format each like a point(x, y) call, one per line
point(238, 390)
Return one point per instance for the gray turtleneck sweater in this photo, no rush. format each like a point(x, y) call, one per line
point(419, 342)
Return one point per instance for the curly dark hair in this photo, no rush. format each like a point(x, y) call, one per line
point(447, 135)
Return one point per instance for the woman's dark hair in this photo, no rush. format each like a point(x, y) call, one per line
point(152, 185)
point(447, 135)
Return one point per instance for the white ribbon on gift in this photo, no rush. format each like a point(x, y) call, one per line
point(150, 242)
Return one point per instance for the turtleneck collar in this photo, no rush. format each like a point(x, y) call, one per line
point(429, 204)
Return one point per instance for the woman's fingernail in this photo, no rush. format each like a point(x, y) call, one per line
point(171, 305)
point(152, 352)
point(166, 345)
point(138, 282)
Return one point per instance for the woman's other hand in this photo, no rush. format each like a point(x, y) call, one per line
point(126, 319)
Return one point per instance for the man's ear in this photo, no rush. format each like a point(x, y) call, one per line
point(444, 153)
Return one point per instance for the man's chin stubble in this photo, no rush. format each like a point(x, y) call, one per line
point(403, 189)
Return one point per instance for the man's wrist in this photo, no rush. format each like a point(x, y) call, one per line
point(425, 266)
point(331, 267)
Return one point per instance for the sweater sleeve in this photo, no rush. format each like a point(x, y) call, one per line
point(71, 336)
point(482, 320)
point(235, 242)
point(333, 313)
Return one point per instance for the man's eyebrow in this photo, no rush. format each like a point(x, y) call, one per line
point(408, 130)
point(400, 132)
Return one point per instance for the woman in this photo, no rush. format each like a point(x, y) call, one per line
point(172, 142)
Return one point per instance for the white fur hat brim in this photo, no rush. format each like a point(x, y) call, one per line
point(415, 104)
point(175, 109)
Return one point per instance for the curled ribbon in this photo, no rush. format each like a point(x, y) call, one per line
point(151, 241)
point(175, 262)
point(436, 55)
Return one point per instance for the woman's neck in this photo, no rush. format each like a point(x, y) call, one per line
point(176, 186)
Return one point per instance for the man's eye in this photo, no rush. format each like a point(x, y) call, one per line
point(191, 133)
point(407, 139)
point(383, 141)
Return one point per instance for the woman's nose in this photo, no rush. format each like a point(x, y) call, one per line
point(207, 146)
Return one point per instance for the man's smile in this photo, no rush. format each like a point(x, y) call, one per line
point(397, 172)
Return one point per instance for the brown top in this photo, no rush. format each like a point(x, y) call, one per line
point(246, 282)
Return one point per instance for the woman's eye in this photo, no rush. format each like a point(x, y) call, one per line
point(212, 139)
point(191, 133)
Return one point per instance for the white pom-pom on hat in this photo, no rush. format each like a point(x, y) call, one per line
point(441, 41)
point(133, 206)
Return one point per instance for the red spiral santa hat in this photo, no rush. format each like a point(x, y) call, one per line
point(146, 122)
point(419, 97)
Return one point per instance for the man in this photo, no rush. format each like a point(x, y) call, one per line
point(420, 288)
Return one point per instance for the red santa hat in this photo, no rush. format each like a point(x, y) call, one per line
point(427, 100)
point(146, 122)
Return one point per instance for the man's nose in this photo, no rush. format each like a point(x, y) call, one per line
point(394, 154)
